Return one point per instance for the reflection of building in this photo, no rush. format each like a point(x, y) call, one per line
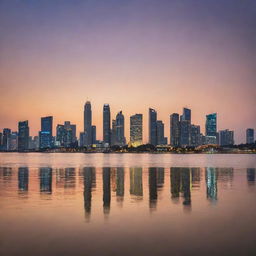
point(211, 183)
point(89, 183)
point(106, 190)
point(175, 182)
point(23, 178)
point(136, 130)
point(152, 180)
point(120, 182)
point(196, 176)
point(160, 178)
point(251, 176)
point(70, 178)
point(136, 187)
point(45, 176)
point(185, 185)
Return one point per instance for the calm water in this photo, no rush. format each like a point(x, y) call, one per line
point(127, 204)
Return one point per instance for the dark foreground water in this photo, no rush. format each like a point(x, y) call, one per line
point(127, 204)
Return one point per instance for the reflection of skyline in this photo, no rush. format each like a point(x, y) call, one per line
point(211, 183)
point(106, 171)
point(23, 177)
point(251, 176)
point(120, 183)
point(136, 183)
point(152, 180)
point(45, 176)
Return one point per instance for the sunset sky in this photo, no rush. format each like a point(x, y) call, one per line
point(163, 54)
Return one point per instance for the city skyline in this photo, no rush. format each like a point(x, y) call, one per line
point(162, 54)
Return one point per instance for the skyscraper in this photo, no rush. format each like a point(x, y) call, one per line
point(226, 137)
point(1, 140)
point(250, 136)
point(120, 138)
point(113, 133)
point(161, 140)
point(106, 124)
point(195, 135)
point(174, 130)
point(94, 134)
point(45, 135)
point(136, 130)
point(152, 127)
point(66, 134)
point(211, 128)
point(23, 138)
point(185, 123)
point(88, 123)
point(6, 139)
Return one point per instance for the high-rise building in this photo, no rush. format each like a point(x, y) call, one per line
point(94, 135)
point(136, 130)
point(45, 135)
point(13, 141)
point(186, 115)
point(23, 138)
point(120, 138)
point(185, 123)
point(211, 129)
point(250, 136)
point(226, 137)
point(66, 134)
point(152, 127)
point(1, 140)
point(88, 123)
point(174, 130)
point(161, 140)
point(194, 135)
point(106, 124)
point(113, 133)
point(184, 133)
point(6, 139)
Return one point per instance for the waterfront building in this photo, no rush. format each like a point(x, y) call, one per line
point(174, 130)
point(23, 136)
point(106, 124)
point(226, 137)
point(161, 140)
point(6, 139)
point(249, 136)
point(45, 135)
point(120, 138)
point(94, 135)
point(66, 134)
point(185, 123)
point(152, 127)
point(136, 130)
point(211, 127)
point(13, 141)
point(87, 124)
point(195, 135)
point(113, 133)
point(1, 140)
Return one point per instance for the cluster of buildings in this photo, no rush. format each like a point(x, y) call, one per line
point(182, 132)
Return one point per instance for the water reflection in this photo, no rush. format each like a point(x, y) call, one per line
point(184, 182)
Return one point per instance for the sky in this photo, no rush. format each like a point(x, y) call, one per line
point(56, 55)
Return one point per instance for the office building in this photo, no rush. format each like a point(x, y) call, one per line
point(94, 135)
point(106, 124)
point(161, 140)
point(113, 133)
point(152, 127)
point(23, 136)
point(195, 138)
point(66, 134)
point(45, 135)
point(13, 141)
point(6, 139)
point(174, 130)
point(136, 130)
point(120, 138)
point(211, 128)
point(226, 137)
point(185, 123)
point(249, 136)
point(87, 124)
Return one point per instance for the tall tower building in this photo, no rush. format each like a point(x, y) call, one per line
point(45, 135)
point(161, 140)
point(120, 138)
point(106, 124)
point(185, 125)
point(136, 130)
point(88, 123)
point(186, 115)
point(250, 136)
point(174, 130)
point(6, 139)
point(226, 137)
point(211, 125)
point(23, 138)
point(152, 126)
point(195, 135)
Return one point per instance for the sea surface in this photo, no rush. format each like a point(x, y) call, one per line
point(127, 204)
